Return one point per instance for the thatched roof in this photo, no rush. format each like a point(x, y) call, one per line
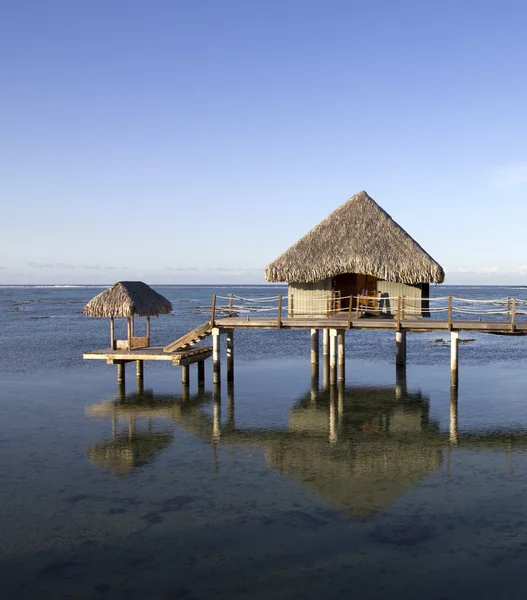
point(357, 237)
point(127, 298)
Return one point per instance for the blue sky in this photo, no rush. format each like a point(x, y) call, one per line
point(194, 141)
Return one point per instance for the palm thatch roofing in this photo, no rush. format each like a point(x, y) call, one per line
point(357, 237)
point(128, 298)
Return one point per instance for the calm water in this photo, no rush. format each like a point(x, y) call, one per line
point(388, 488)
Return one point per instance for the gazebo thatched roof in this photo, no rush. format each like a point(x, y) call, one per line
point(128, 298)
point(357, 237)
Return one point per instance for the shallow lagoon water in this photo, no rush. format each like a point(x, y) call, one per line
point(270, 487)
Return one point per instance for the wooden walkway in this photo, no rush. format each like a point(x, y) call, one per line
point(342, 322)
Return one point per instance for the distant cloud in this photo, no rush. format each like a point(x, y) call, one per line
point(510, 176)
point(482, 271)
point(36, 265)
point(6, 268)
point(182, 269)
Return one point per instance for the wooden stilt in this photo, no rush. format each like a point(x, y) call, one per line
point(314, 347)
point(342, 354)
point(332, 356)
point(454, 356)
point(139, 386)
point(325, 342)
point(201, 373)
point(185, 379)
point(216, 366)
point(315, 382)
point(230, 355)
point(400, 347)
point(121, 389)
point(325, 372)
point(139, 369)
point(185, 395)
point(121, 373)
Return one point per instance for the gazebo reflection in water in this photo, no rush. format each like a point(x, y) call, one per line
point(356, 447)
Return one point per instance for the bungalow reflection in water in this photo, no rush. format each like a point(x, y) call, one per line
point(357, 448)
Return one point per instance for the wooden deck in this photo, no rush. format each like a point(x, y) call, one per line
point(179, 358)
point(341, 322)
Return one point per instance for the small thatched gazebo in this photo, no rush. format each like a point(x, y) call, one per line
point(126, 299)
point(358, 250)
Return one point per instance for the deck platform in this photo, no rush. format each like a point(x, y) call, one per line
point(178, 358)
point(341, 322)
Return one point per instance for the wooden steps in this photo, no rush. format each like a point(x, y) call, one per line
point(190, 338)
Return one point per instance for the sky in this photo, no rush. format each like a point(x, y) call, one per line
point(193, 141)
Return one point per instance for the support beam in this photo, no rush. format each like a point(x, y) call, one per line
point(325, 342)
point(332, 356)
point(342, 354)
point(201, 373)
point(216, 366)
point(121, 378)
point(325, 371)
point(314, 347)
point(185, 376)
point(454, 356)
point(400, 347)
point(230, 355)
point(139, 369)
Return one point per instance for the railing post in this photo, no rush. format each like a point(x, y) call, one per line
point(350, 311)
point(508, 309)
point(279, 323)
point(357, 307)
point(292, 307)
point(402, 317)
point(513, 314)
point(213, 310)
point(450, 313)
point(398, 313)
point(230, 304)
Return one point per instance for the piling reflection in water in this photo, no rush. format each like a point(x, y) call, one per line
point(358, 448)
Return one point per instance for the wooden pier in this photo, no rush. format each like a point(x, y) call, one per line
point(181, 358)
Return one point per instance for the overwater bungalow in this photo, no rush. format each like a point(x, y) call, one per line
point(128, 299)
point(358, 250)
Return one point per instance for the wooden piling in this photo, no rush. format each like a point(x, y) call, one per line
point(230, 355)
point(454, 358)
point(314, 347)
point(185, 375)
point(201, 373)
point(400, 347)
point(216, 367)
point(332, 356)
point(341, 355)
point(121, 374)
point(325, 342)
point(139, 369)
point(401, 386)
